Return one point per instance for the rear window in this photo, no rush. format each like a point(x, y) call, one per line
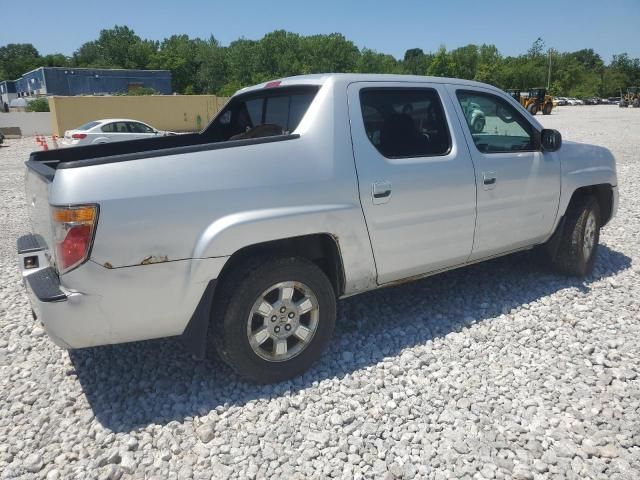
point(266, 113)
point(88, 125)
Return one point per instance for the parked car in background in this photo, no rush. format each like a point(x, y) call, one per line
point(1, 138)
point(302, 190)
point(560, 101)
point(109, 130)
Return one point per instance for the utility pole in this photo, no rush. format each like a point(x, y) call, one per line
point(549, 75)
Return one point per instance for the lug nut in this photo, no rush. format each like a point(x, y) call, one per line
point(274, 318)
point(277, 329)
point(283, 309)
point(287, 327)
point(291, 314)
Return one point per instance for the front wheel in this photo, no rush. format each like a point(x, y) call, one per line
point(273, 318)
point(532, 108)
point(546, 110)
point(578, 243)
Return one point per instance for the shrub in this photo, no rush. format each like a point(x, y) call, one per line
point(40, 104)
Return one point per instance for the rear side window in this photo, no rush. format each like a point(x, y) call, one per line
point(87, 126)
point(115, 127)
point(405, 122)
point(262, 114)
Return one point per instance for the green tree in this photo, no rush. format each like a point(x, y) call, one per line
point(179, 54)
point(212, 73)
point(371, 61)
point(16, 59)
point(440, 65)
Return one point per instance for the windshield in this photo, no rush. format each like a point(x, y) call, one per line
point(87, 126)
point(265, 113)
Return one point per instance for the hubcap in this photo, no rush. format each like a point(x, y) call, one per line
point(282, 321)
point(589, 236)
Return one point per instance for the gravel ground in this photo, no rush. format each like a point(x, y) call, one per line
point(500, 370)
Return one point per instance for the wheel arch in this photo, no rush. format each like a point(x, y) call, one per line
point(323, 249)
point(604, 195)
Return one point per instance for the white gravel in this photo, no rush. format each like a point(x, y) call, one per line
point(500, 370)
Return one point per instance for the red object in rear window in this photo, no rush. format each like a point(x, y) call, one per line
point(273, 84)
point(79, 136)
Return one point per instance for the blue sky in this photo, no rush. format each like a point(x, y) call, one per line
point(390, 26)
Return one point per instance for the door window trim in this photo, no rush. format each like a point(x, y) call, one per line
point(413, 88)
point(533, 130)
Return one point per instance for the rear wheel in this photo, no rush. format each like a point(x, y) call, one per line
point(546, 110)
point(273, 318)
point(578, 243)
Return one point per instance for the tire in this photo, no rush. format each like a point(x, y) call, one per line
point(532, 109)
point(478, 125)
point(582, 224)
point(622, 104)
point(238, 330)
point(636, 103)
point(546, 109)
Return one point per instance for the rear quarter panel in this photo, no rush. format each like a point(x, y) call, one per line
point(209, 204)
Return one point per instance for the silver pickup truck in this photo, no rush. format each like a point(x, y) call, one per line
point(301, 191)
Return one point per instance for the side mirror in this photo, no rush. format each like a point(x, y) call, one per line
point(550, 140)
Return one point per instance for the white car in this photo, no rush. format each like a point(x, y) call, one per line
point(109, 130)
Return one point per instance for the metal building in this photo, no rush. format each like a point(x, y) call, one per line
point(90, 81)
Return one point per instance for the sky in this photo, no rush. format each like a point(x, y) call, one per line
point(386, 26)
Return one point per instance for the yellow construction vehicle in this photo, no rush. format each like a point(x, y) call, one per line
point(631, 98)
point(535, 100)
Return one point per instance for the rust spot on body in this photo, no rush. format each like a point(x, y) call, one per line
point(107, 265)
point(154, 259)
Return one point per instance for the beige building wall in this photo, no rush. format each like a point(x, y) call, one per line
point(179, 113)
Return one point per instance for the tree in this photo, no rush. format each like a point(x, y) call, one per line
point(117, 47)
point(415, 61)
point(440, 65)
point(212, 73)
point(371, 61)
point(16, 59)
point(179, 54)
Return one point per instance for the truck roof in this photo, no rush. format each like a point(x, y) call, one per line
point(347, 78)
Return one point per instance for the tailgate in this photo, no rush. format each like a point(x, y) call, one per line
point(38, 182)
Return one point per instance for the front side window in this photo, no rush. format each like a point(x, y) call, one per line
point(496, 126)
point(405, 122)
point(262, 114)
point(137, 127)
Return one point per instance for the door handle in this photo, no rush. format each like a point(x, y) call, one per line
point(380, 192)
point(489, 180)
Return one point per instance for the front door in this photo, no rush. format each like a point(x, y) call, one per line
point(416, 177)
point(518, 184)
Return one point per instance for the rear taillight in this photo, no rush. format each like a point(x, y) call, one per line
point(79, 136)
point(73, 229)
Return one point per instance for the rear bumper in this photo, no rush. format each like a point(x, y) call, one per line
point(94, 305)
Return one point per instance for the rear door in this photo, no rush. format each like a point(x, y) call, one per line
point(416, 178)
point(518, 184)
